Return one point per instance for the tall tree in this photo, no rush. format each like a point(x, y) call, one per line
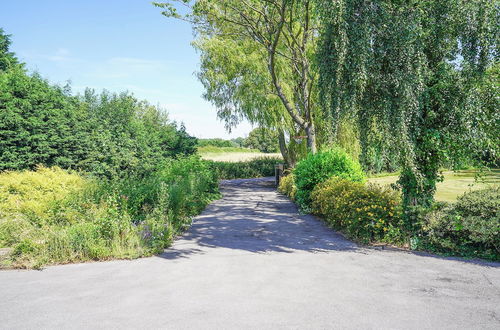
point(257, 60)
point(409, 66)
point(7, 58)
point(263, 139)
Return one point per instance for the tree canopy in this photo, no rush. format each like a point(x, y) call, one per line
point(263, 139)
point(106, 134)
point(7, 58)
point(410, 67)
point(257, 61)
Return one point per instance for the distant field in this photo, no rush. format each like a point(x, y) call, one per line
point(231, 154)
point(454, 184)
point(236, 156)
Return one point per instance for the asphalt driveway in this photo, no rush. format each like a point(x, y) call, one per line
point(252, 261)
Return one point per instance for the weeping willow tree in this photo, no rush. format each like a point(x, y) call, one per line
point(235, 77)
point(410, 67)
point(257, 61)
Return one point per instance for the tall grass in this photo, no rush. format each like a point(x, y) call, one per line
point(52, 216)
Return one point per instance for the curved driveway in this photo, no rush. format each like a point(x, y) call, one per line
point(251, 261)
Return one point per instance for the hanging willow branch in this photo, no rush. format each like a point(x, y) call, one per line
point(410, 67)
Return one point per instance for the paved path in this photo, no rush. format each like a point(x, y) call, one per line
point(251, 261)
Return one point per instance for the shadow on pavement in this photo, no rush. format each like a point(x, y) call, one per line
point(253, 218)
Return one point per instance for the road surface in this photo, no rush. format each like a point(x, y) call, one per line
point(251, 261)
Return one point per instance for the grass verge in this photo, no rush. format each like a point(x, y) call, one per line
point(52, 216)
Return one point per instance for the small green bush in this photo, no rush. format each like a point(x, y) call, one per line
point(287, 186)
point(319, 167)
point(255, 168)
point(366, 213)
point(470, 227)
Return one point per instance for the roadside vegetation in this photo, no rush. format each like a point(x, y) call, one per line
point(254, 168)
point(371, 213)
point(90, 177)
point(409, 88)
point(394, 91)
point(51, 215)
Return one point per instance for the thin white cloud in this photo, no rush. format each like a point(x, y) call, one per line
point(137, 63)
point(62, 55)
point(125, 67)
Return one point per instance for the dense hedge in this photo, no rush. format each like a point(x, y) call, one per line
point(470, 227)
point(55, 216)
point(255, 168)
point(134, 189)
point(105, 134)
point(369, 213)
point(366, 213)
point(319, 167)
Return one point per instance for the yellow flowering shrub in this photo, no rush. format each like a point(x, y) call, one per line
point(365, 212)
point(34, 194)
point(51, 215)
point(287, 186)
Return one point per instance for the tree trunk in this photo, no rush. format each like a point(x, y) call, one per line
point(311, 138)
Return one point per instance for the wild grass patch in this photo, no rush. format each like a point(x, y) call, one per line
point(52, 216)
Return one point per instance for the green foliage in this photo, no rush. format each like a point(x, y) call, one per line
point(485, 140)
point(7, 58)
point(367, 213)
point(410, 68)
point(316, 168)
point(39, 124)
point(470, 227)
point(105, 134)
point(221, 143)
point(263, 139)
point(287, 186)
point(137, 137)
point(255, 168)
point(54, 216)
point(239, 141)
point(257, 61)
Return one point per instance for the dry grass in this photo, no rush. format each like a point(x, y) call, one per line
point(236, 156)
point(454, 184)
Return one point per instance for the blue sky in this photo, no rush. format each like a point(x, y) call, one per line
point(115, 45)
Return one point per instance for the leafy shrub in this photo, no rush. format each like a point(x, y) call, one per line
point(287, 186)
point(42, 124)
point(35, 193)
point(366, 213)
point(319, 167)
point(77, 218)
point(469, 227)
point(255, 168)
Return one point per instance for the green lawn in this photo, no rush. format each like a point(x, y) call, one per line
point(454, 184)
